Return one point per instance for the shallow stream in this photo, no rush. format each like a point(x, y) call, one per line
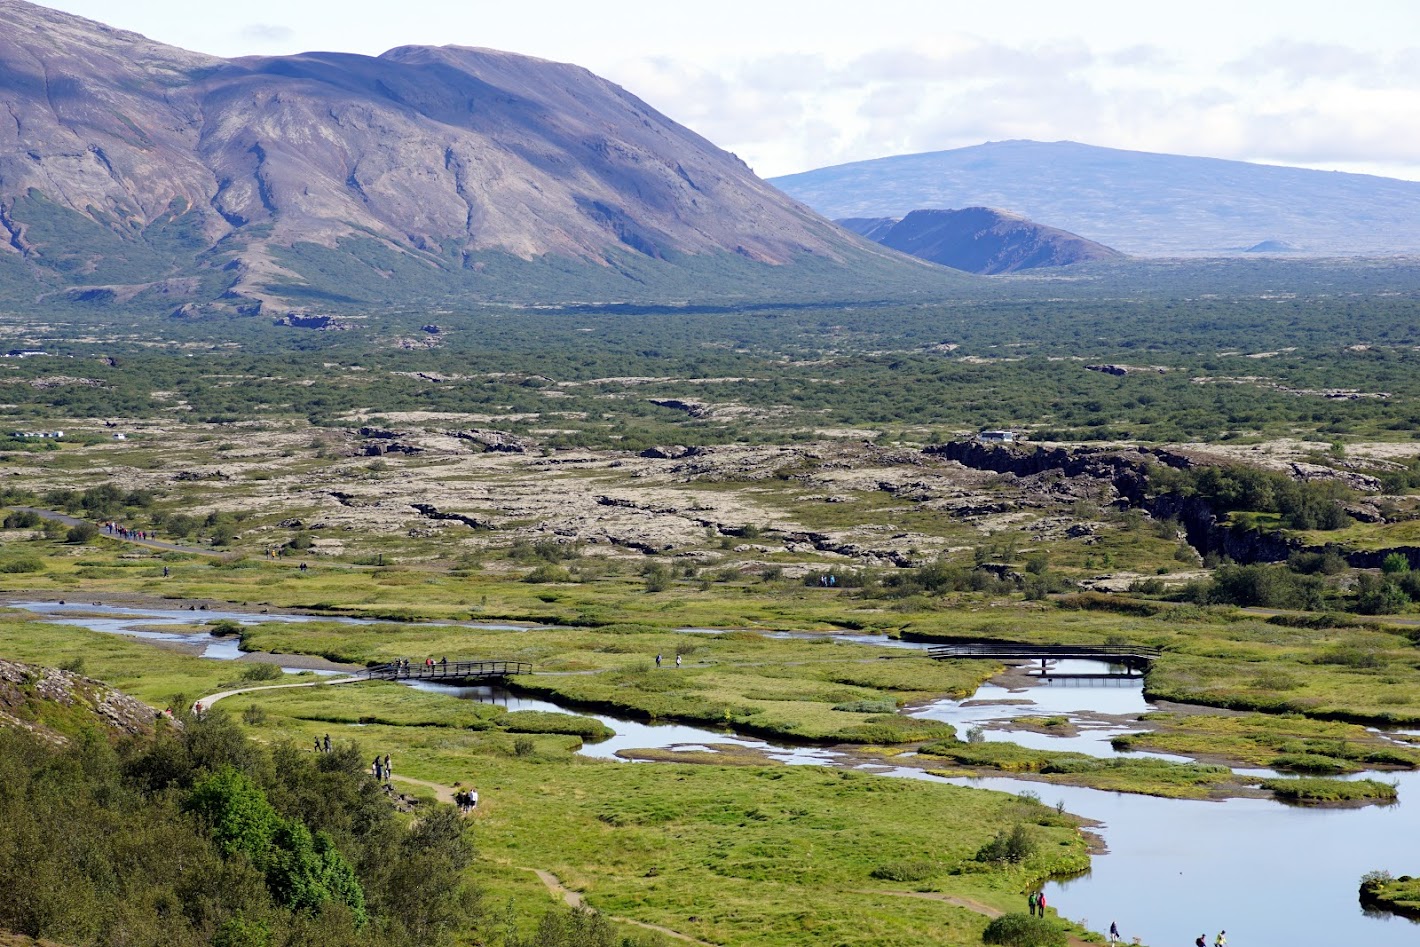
point(1268, 873)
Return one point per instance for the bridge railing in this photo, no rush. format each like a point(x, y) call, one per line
point(451, 670)
point(1122, 653)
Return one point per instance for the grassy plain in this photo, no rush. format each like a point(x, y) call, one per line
point(732, 855)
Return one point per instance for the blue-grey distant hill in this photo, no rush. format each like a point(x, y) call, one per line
point(980, 240)
point(1140, 203)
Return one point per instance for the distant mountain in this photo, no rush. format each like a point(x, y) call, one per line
point(137, 173)
point(1140, 203)
point(979, 240)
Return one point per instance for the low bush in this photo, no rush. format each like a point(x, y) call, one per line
point(18, 564)
point(1024, 930)
point(1008, 847)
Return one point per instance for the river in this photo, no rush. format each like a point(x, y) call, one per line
point(1268, 873)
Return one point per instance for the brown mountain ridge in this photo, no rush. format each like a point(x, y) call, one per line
point(133, 169)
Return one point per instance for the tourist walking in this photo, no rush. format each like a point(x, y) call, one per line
point(317, 744)
point(326, 743)
point(388, 771)
point(677, 660)
point(1202, 941)
point(378, 769)
point(1040, 902)
point(1030, 902)
point(1221, 940)
point(658, 660)
point(1113, 932)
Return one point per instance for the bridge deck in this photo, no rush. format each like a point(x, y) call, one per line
point(450, 671)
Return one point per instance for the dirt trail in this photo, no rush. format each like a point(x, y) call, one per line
point(444, 793)
point(574, 900)
point(206, 702)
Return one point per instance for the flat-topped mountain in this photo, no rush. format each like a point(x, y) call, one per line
point(1140, 203)
point(130, 168)
point(979, 240)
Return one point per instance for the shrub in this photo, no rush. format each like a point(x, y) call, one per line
point(1024, 930)
point(658, 578)
point(82, 533)
point(547, 572)
point(261, 672)
point(524, 746)
point(1395, 564)
point(19, 564)
point(22, 520)
point(1011, 847)
point(1377, 596)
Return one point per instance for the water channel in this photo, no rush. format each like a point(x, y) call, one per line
point(1270, 874)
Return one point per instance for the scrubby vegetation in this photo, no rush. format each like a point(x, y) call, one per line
point(202, 837)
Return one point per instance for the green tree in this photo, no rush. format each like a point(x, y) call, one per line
point(236, 814)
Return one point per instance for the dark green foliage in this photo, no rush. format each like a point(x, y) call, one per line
point(1024, 930)
point(305, 872)
point(1377, 595)
point(1008, 847)
point(22, 519)
point(1299, 504)
point(197, 837)
point(1314, 563)
point(1266, 586)
point(82, 533)
point(235, 813)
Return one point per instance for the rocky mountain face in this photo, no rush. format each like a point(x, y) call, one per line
point(979, 240)
point(129, 168)
point(1139, 203)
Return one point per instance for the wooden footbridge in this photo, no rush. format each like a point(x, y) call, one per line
point(1134, 659)
point(448, 672)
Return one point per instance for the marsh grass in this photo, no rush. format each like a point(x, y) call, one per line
point(1150, 777)
point(1268, 740)
point(1316, 791)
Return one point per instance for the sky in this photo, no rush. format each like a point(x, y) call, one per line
point(792, 85)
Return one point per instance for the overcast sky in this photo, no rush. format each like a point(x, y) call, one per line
point(791, 85)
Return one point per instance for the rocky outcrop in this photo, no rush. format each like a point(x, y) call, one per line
point(432, 512)
point(1125, 471)
point(500, 442)
point(322, 323)
point(57, 705)
point(696, 409)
